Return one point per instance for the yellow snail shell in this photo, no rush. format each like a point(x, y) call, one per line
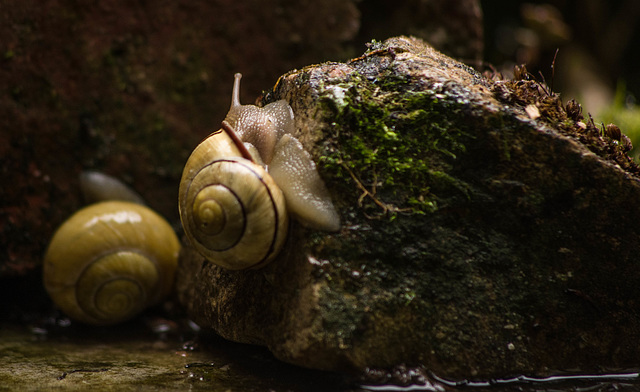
point(231, 209)
point(241, 183)
point(109, 261)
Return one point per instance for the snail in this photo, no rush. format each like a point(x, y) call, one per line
point(242, 182)
point(109, 261)
point(96, 186)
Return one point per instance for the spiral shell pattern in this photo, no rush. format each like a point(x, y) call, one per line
point(109, 261)
point(233, 212)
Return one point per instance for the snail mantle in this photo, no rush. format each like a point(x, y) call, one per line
point(486, 228)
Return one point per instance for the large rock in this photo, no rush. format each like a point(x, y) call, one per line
point(486, 229)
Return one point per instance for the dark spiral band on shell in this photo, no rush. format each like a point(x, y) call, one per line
point(259, 236)
point(202, 234)
point(272, 248)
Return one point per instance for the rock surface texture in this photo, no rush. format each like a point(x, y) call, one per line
point(487, 228)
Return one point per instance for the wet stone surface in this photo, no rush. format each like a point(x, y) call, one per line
point(131, 357)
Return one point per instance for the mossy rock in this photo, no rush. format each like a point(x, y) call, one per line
point(487, 229)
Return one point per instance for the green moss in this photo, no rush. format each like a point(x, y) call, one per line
point(392, 145)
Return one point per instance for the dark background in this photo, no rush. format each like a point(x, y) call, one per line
point(599, 50)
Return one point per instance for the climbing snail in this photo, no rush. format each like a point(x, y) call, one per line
point(109, 261)
point(241, 183)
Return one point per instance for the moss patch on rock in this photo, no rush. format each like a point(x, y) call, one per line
point(392, 146)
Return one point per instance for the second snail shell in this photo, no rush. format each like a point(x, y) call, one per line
point(109, 261)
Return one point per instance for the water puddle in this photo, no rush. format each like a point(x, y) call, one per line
point(623, 381)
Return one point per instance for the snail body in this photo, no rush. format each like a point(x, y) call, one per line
point(97, 186)
point(241, 183)
point(109, 261)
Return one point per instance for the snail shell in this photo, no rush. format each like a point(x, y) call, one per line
point(241, 183)
point(109, 261)
point(231, 209)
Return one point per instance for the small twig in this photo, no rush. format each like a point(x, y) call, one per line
point(389, 51)
point(199, 364)
point(65, 374)
point(365, 191)
point(553, 67)
point(386, 208)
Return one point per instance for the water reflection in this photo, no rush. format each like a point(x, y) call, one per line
point(632, 376)
point(426, 387)
point(623, 381)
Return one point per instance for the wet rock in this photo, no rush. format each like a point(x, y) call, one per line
point(486, 229)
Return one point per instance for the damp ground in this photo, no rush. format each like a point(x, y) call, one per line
point(142, 357)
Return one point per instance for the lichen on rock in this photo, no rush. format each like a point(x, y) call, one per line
point(477, 240)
